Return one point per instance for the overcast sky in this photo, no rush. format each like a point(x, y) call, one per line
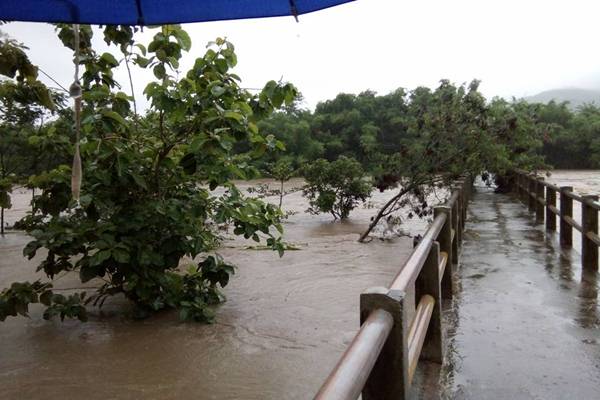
point(516, 47)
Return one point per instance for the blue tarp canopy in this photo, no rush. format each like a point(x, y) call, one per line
point(153, 12)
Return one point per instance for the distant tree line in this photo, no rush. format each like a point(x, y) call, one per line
point(414, 141)
point(366, 125)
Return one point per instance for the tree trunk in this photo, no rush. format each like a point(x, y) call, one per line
point(381, 213)
point(281, 195)
point(32, 198)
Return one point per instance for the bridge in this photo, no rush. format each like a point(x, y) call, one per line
point(493, 301)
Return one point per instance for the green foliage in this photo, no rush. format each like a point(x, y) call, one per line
point(5, 189)
point(417, 141)
point(24, 102)
point(572, 139)
point(16, 300)
point(282, 171)
point(147, 199)
point(335, 187)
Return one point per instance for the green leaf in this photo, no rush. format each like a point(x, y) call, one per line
point(114, 116)
point(87, 273)
point(217, 91)
point(142, 61)
point(234, 115)
point(159, 71)
point(140, 181)
point(99, 257)
point(5, 200)
point(120, 255)
point(46, 298)
point(109, 59)
point(141, 47)
point(183, 39)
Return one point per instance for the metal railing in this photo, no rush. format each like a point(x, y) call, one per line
point(541, 198)
point(382, 359)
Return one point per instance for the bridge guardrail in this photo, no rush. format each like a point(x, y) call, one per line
point(381, 360)
point(541, 198)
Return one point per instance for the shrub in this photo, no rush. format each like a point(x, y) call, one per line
point(147, 200)
point(335, 187)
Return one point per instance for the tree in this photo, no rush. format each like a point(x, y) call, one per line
point(147, 198)
point(282, 172)
point(452, 132)
point(23, 102)
point(335, 187)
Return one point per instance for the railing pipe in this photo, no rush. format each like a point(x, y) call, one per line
point(414, 264)
point(350, 374)
point(418, 332)
point(381, 360)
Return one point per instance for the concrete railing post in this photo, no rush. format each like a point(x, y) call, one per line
point(389, 378)
point(520, 185)
point(531, 192)
point(428, 282)
point(566, 210)
point(589, 223)
point(457, 232)
point(539, 194)
point(524, 188)
point(445, 244)
point(462, 198)
point(465, 201)
point(550, 216)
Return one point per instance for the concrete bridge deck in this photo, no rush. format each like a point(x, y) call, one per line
point(525, 322)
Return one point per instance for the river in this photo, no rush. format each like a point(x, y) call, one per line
point(282, 329)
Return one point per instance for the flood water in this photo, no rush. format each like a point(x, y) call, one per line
point(286, 321)
point(583, 182)
point(282, 329)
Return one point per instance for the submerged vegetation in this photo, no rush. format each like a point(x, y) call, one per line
point(147, 199)
point(335, 187)
point(412, 142)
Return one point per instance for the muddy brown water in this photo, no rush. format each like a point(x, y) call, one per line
point(583, 182)
point(288, 320)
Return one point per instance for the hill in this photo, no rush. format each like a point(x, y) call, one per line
point(576, 97)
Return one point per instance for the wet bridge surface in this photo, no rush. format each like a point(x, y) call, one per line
point(525, 322)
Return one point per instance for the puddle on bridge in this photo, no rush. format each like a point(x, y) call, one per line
point(524, 323)
point(282, 330)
